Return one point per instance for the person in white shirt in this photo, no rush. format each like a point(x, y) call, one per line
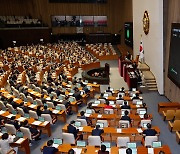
point(4, 143)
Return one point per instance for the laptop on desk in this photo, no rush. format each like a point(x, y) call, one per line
point(57, 141)
point(81, 144)
point(156, 144)
point(77, 124)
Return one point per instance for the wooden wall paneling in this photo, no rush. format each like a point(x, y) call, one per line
point(172, 92)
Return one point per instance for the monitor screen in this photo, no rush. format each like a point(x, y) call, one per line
point(156, 144)
point(81, 143)
point(100, 124)
point(131, 145)
point(107, 144)
point(26, 115)
point(58, 108)
point(71, 99)
point(57, 141)
point(19, 134)
point(77, 124)
point(97, 102)
point(41, 119)
point(174, 54)
point(88, 111)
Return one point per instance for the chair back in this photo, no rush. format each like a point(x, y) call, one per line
point(10, 129)
point(2, 106)
point(24, 97)
point(105, 122)
point(124, 124)
point(170, 114)
point(149, 140)
point(47, 117)
point(54, 94)
point(20, 111)
point(108, 111)
point(83, 122)
point(122, 94)
point(120, 102)
point(33, 114)
point(26, 132)
point(10, 107)
point(177, 115)
point(30, 99)
point(38, 89)
point(144, 122)
point(176, 125)
point(122, 141)
point(94, 140)
point(50, 105)
point(68, 138)
point(103, 101)
point(39, 102)
point(45, 92)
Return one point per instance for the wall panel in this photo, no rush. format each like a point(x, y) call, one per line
point(171, 90)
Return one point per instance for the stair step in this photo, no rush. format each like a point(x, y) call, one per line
point(152, 86)
point(153, 89)
point(151, 83)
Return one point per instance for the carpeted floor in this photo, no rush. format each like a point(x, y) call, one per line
point(150, 98)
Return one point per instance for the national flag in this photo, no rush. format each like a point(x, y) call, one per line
point(141, 50)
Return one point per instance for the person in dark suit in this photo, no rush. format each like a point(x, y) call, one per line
point(14, 122)
point(125, 106)
point(128, 151)
point(102, 96)
point(97, 131)
point(38, 111)
point(149, 131)
point(46, 111)
point(77, 94)
point(109, 89)
point(103, 150)
point(136, 97)
point(126, 117)
point(71, 151)
point(120, 97)
point(72, 129)
point(34, 132)
point(49, 149)
point(14, 104)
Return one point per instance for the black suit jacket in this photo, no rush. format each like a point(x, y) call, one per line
point(73, 130)
point(126, 118)
point(150, 132)
point(97, 132)
point(125, 107)
point(46, 112)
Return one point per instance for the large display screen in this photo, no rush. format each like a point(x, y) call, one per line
point(174, 55)
point(128, 38)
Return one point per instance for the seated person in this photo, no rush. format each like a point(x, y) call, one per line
point(103, 150)
point(39, 111)
point(14, 122)
point(71, 151)
point(97, 131)
point(136, 97)
point(149, 131)
point(67, 104)
point(107, 105)
point(77, 94)
point(128, 151)
point(85, 88)
point(14, 104)
point(35, 133)
point(46, 111)
point(102, 96)
point(72, 129)
point(49, 149)
point(120, 98)
point(82, 115)
point(126, 117)
point(122, 90)
point(125, 106)
point(108, 90)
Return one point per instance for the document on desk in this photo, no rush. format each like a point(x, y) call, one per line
point(10, 115)
point(32, 106)
point(87, 115)
point(80, 128)
point(139, 130)
point(48, 98)
point(37, 123)
point(45, 123)
point(55, 111)
point(77, 150)
point(119, 130)
point(21, 119)
point(137, 106)
point(55, 145)
point(2, 112)
point(20, 141)
point(99, 116)
point(15, 99)
point(150, 150)
point(95, 104)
